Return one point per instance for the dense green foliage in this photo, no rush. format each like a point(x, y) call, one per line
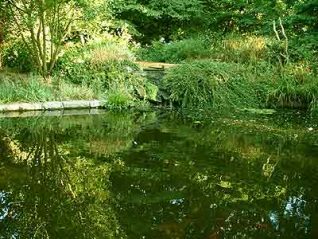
point(154, 19)
point(179, 17)
point(176, 52)
point(108, 68)
point(16, 56)
point(205, 83)
point(268, 50)
point(211, 84)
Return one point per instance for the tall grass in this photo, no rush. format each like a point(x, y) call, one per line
point(294, 89)
point(68, 91)
point(211, 84)
point(246, 49)
point(229, 48)
point(110, 51)
point(31, 88)
point(204, 83)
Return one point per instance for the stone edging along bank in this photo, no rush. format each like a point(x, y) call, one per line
point(51, 105)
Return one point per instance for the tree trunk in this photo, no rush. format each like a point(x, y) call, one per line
point(1, 40)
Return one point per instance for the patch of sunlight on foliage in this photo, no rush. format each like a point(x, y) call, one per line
point(69, 91)
point(225, 184)
point(260, 111)
point(110, 51)
point(119, 98)
point(151, 91)
point(211, 84)
point(243, 49)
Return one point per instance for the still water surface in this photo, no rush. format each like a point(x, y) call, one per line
point(159, 175)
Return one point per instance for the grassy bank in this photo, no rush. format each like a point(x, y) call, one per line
point(204, 84)
point(32, 88)
point(240, 72)
point(213, 72)
point(100, 70)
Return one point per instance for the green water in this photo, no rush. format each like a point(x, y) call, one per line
point(159, 175)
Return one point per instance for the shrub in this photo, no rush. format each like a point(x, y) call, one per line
point(15, 55)
point(297, 87)
point(240, 49)
point(211, 84)
point(305, 49)
point(94, 62)
point(178, 51)
point(98, 67)
point(119, 99)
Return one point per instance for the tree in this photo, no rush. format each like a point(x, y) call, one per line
point(43, 25)
point(154, 18)
point(3, 26)
point(305, 17)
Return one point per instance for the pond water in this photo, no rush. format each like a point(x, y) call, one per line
point(159, 174)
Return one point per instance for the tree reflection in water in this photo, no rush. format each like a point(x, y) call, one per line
point(157, 175)
point(57, 196)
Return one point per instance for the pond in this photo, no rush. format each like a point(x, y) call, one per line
point(159, 174)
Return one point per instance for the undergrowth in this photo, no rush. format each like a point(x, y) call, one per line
point(294, 90)
point(208, 84)
point(217, 72)
point(243, 49)
point(178, 51)
point(230, 48)
point(109, 69)
point(30, 88)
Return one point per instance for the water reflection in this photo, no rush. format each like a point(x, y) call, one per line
point(157, 175)
point(58, 195)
